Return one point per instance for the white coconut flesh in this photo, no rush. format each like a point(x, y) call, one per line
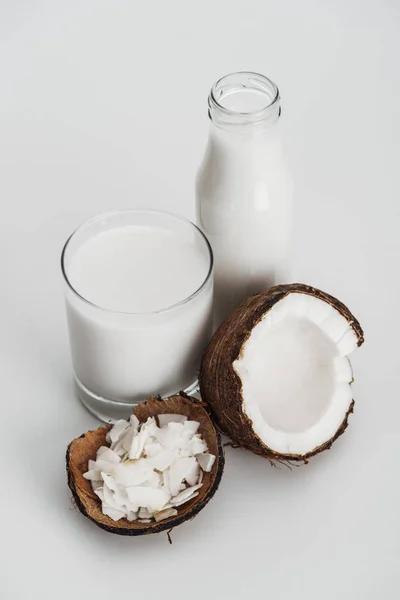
point(295, 374)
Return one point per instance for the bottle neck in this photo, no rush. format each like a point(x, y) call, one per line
point(244, 103)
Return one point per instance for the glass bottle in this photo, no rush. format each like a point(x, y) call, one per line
point(243, 194)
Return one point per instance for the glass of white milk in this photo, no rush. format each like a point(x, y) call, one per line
point(139, 292)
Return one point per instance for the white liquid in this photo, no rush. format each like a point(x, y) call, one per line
point(125, 356)
point(244, 207)
point(137, 269)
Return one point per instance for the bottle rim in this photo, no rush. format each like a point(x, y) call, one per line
point(236, 83)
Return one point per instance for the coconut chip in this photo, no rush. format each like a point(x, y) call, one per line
point(206, 461)
point(149, 469)
point(165, 514)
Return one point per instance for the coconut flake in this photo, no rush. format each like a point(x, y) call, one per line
point(138, 443)
point(198, 445)
point(151, 426)
point(126, 442)
point(133, 473)
point(109, 481)
point(165, 514)
point(99, 492)
point(114, 513)
point(163, 460)
point(118, 430)
point(114, 500)
point(192, 477)
point(151, 498)
point(191, 426)
point(170, 437)
point(178, 472)
point(206, 461)
point(186, 436)
point(154, 479)
point(164, 419)
point(166, 482)
point(151, 449)
point(193, 495)
point(107, 454)
point(134, 422)
point(144, 513)
point(96, 484)
point(107, 467)
point(92, 475)
point(177, 428)
point(186, 495)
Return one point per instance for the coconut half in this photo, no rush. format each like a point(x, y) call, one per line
point(276, 374)
point(84, 449)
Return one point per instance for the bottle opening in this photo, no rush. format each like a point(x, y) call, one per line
point(244, 98)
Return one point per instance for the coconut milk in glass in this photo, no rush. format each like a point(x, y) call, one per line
point(243, 193)
point(138, 290)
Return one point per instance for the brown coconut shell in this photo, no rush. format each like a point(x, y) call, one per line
point(84, 448)
point(220, 385)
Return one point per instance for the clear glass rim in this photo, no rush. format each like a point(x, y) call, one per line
point(143, 211)
point(214, 103)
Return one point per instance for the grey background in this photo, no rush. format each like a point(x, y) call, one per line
point(103, 105)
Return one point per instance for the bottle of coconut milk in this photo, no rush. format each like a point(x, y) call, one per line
point(243, 195)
